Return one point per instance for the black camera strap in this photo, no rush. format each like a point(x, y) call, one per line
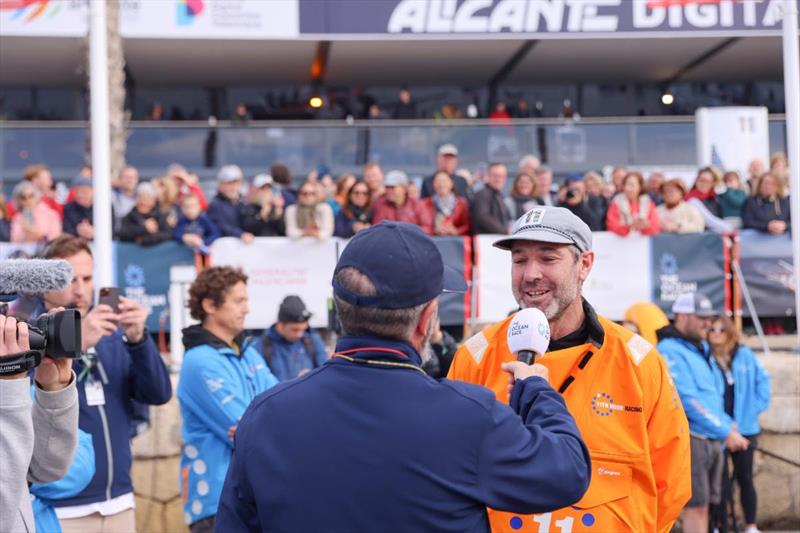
point(19, 362)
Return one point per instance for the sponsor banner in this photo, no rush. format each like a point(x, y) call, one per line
point(142, 274)
point(492, 275)
point(209, 19)
point(620, 276)
point(731, 137)
point(453, 307)
point(542, 18)
point(688, 263)
point(766, 262)
point(44, 18)
point(278, 267)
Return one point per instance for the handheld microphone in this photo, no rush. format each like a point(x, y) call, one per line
point(528, 335)
point(33, 276)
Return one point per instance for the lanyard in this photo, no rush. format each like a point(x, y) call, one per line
point(389, 364)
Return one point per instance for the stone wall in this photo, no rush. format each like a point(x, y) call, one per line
point(777, 483)
point(156, 467)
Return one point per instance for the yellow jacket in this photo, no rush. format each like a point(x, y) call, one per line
point(631, 419)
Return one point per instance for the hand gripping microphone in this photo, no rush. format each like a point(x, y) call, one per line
point(528, 335)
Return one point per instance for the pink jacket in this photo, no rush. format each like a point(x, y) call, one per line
point(45, 220)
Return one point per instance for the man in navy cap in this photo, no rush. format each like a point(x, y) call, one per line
point(368, 442)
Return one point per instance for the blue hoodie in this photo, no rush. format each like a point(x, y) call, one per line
point(751, 390)
point(374, 444)
point(202, 226)
point(288, 359)
point(699, 382)
point(216, 386)
point(127, 372)
point(79, 475)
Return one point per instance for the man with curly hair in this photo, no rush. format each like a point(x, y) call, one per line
point(220, 376)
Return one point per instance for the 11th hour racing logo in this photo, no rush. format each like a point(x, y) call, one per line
point(603, 405)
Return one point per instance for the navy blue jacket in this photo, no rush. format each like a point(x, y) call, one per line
point(359, 446)
point(202, 226)
point(227, 215)
point(127, 372)
point(74, 214)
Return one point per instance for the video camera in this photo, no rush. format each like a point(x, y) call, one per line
point(55, 335)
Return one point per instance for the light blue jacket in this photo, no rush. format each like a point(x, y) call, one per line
point(216, 386)
point(699, 382)
point(751, 390)
point(80, 473)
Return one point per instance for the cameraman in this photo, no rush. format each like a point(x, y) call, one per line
point(120, 365)
point(37, 436)
point(573, 197)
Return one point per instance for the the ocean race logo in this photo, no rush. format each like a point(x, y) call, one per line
point(187, 11)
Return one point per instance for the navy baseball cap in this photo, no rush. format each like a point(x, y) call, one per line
point(402, 262)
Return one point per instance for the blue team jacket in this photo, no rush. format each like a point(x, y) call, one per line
point(751, 390)
point(79, 475)
point(127, 372)
point(359, 446)
point(699, 382)
point(287, 359)
point(216, 386)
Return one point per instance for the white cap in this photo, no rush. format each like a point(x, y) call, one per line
point(529, 331)
point(693, 303)
point(229, 173)
point(448, 149)
point(396, 178)
point(262, 179)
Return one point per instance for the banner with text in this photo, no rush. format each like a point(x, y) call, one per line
point(767, 267)
point(688, 263)
point(142, 274)
point(278, 267)
point(554, 19)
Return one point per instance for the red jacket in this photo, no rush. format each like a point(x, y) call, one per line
point(459, 218)
point(615, 221)
point(411, 211)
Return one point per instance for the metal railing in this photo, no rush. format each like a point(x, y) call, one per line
point(566, 146)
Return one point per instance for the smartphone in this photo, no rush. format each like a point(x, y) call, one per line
point(110, 297)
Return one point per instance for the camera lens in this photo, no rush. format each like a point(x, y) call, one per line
point(58, 334)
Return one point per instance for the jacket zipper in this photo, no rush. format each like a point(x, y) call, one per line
point(106, 433)
point(107, 438)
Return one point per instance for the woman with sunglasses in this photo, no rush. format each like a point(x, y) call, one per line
point(356, 212)
point(747, 394)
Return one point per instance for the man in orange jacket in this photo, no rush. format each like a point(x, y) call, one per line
point(615, 384)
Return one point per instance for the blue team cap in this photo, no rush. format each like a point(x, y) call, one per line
point(402, 262)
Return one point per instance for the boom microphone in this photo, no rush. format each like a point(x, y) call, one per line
point(33, 276)
point(528, 335)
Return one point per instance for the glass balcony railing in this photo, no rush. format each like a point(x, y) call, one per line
point(567, 147)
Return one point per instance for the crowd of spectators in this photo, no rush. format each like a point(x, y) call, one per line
point(449, 202)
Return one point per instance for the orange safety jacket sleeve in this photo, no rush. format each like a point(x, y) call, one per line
point(669, 449)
